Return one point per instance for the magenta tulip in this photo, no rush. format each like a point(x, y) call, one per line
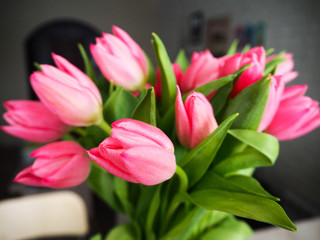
point(255, 56)
point(57, 165)
point(32, 121)
point(297, 115)
point(136, 152)
point(285, 68)
point(121, 60)
point(68, 93)
point(204, 68)
point(194, 120)
point(275, 94)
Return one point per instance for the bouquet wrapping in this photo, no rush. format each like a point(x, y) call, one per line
point(173, 148)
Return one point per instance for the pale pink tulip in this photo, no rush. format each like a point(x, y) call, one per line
point(177, 73)
point(57, 165)
point(297, 115)
point(68, 92)
point(255, 56)
point(136, 152)
point(32, 121)
point(204, 68)
point(121, 60)
point(275, 93)
point(194, 119)
point(285, 68)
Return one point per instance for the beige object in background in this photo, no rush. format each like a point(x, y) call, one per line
point(307, 230)
point(61, 213)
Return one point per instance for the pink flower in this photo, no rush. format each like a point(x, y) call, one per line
point(177, 73)
point(297, 115)
point(58, 165)
point(32, 121)
point(275, 93)
point(204, 68)
point(285, 68)
point(68, 93)
point(136, 152)
point(194, 120)
point(255, 56)
point(121, 60)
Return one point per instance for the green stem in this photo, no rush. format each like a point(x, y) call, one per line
point(105, 126)
point(183, 178)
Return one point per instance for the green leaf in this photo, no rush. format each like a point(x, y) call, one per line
point(182, 60)
point(230, 229)
point(96, 237)
point(246, 48)
point(184, 228)
point(126, 231)
point(243, 205)
point(37, 66)
point(120, 105)
point(122, 191)
point(265, 143)
point(239, 184)
point(220, 99)
point(151, 216)
point(146, 109)
point(168, 78)
point(250, 104)
point(198, 160)
point(249, 158)
point(233, 48)
point(101, 182)
point(152, 72)
point(86, 61)
point(269, 51)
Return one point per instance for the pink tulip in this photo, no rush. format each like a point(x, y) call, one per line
point(255, 56)
point(32, 121)
point(194, 120)
point(68, 93)
point(177, 73)
point(285, 68)
point(121, 60)
point(275, 93)
point(136, 152)
point(297, 115)
point(58, 165)
point(204, 68)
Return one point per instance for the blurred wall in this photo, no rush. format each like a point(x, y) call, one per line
point(20, 18)
point(294, 26)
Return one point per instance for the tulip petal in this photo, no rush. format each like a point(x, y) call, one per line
point(108, 165)
point(138, 130)
point(150, 165)
point(27, 177)
point(58, 149)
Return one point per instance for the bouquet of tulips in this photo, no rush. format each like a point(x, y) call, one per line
point(173, 148)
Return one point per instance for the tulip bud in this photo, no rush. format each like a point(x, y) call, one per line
point(136, 152)
point(285, 68)
point(194, 120)
point(121, 60)
point(68, 93)
point(58, 165)
point(32, 121)
point(204, 68)
point(297, 115)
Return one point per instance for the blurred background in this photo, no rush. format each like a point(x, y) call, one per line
point(30, 30)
